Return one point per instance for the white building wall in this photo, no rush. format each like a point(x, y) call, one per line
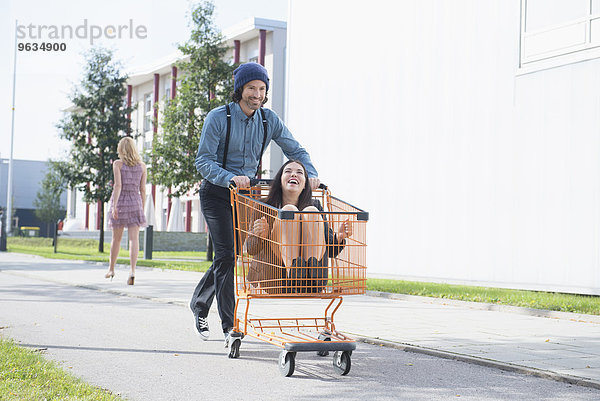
point(275, 63)
point(472, 172)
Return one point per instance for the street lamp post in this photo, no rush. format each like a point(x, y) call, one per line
point(12, 140)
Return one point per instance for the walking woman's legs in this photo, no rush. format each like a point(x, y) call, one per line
point(313, 237)
point(134, 247)
point(287, 233)
point(115, 247)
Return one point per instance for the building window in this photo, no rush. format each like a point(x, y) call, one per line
point(147, 142)
point(167, 96)
point(148, 112)
point(559, 31)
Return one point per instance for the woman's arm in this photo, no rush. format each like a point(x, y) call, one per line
point(345, 230)
point(258, 232)
point(116, 186)
point(143, 186)
point(334, 242)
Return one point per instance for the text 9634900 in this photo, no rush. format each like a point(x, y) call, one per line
point(43, 47)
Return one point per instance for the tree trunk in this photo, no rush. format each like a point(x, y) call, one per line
point(101, 242)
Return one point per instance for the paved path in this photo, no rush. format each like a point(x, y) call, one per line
point(563, 346)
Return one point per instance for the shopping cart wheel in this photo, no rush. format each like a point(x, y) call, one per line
point(341, 361)
point(234, 348)
point(324, 336)
point(287, 363)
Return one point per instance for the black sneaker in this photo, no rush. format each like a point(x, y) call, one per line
point(231, 335)
point(227, 335)
point(201, 326)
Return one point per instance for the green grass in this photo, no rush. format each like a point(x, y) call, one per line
point(531, 299)
point(69, 248)
point(25, 375)
point(87, 249)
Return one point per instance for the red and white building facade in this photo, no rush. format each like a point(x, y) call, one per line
point(148, 88)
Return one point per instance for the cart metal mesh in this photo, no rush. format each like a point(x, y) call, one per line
point(287, 253)
point(298, 256)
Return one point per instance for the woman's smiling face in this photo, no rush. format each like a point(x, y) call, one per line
point(293, 178)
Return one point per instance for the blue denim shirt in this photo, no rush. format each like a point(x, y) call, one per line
point(245, 142)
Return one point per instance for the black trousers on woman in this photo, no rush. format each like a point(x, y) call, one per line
point(215, 204)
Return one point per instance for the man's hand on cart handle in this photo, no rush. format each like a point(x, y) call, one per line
point(261, 227)
point(314, 182)
point(345, 230)
point(241, 181)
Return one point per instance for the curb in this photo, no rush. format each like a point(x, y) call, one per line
point(490, 363)
point(577, 317)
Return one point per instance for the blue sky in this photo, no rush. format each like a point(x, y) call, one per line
point(44, 79)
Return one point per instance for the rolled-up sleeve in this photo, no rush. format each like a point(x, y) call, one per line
point(207, 162)
point(290, 146)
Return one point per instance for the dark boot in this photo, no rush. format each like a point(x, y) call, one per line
point(297, 282)
point(318, 274)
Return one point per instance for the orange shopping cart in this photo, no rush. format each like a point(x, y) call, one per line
point(298, 257)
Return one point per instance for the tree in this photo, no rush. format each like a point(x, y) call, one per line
point(95, 127)
point(47, 200)
point(206, 82)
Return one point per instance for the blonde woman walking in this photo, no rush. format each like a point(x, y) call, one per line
point(127, 204)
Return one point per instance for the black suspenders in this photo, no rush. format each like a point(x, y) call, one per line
point(228, 134)
point(262, 148)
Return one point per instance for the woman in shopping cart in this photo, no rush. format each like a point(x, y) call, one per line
point(291, 255)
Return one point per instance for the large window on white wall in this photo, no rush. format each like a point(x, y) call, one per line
point(555, 32)
point(148, 112)
point(148, 115)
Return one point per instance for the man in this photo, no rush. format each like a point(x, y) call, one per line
point(247, 141)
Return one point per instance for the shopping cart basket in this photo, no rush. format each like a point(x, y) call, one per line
point(317, 266)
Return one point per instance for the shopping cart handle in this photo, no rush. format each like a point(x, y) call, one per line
point(260, 181)
point(253, 182)
point(265, 181)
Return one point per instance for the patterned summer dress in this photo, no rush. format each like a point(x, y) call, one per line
point(129, 207)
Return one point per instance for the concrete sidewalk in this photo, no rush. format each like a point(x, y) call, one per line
point(562, 346)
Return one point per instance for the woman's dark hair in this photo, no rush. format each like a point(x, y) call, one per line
point(275, 197)
point(237, 95)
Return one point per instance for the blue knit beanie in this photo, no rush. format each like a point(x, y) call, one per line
point(249, 72)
